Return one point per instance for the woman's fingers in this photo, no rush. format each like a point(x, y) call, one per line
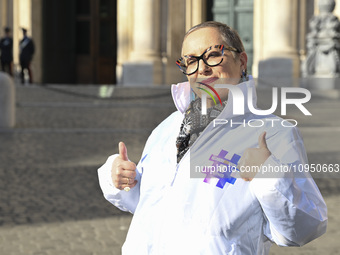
point(123, 173)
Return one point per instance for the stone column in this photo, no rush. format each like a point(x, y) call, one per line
point(17, 34)
point(22, 17)
point(145, 66)
point(175, 35)
point(6, 14)
point(336, 11)
point(2, 15)
point(195, 13)
point(125, 17)
point(276, 40)
point(37, 38)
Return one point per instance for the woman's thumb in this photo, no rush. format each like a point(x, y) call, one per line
point(123, 151)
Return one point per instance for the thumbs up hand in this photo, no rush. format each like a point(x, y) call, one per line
point(254, 157)
point(123, 172)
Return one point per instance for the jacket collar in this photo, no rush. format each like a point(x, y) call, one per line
point(181, 96)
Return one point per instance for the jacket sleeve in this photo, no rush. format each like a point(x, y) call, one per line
point(126, 201)
point(294, 209)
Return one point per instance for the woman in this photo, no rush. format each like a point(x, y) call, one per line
point(218, 213)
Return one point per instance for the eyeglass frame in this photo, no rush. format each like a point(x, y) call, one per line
point(225, 47)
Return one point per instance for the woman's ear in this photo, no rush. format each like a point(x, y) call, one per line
point(243, 60)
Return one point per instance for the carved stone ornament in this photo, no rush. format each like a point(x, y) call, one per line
point(323, 43)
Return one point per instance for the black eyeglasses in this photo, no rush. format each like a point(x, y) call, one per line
point(212, 56)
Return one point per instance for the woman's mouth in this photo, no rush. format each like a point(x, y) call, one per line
point(209, 80)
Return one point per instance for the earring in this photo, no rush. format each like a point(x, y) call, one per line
point(244, 76)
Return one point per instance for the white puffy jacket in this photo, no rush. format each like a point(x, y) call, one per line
point(177, 214)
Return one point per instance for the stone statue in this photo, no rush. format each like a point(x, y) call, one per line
point(323, 43)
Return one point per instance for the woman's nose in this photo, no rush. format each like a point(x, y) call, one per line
point(203, 68)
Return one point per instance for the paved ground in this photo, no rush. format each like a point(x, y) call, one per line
point(50, 200)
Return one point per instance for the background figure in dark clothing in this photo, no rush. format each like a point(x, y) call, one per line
point(26, 54)
point(6, 47)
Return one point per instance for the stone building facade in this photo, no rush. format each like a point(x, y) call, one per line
point(136, 42)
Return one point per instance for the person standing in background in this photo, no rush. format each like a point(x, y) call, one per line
point(26, 55)
point(6, 47)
